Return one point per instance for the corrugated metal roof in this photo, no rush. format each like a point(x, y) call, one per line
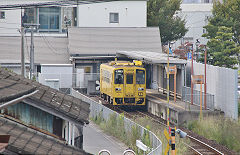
point(151, 57)
point(110, 40)
point(24, 140)
point(48, 50)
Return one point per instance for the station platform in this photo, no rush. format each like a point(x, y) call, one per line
point(180, 112)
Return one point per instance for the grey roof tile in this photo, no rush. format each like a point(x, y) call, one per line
point(28, 141)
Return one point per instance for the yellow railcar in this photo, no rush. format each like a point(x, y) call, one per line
point(123, 83)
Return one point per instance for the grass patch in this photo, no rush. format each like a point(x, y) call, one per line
point(127, 134)
point(222, 130)
point(115, 126)
point(158, 131)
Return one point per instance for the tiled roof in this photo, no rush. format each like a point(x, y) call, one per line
point(11, 88)
point(24, 140)
point(47, 99)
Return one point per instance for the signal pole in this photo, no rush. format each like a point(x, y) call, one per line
point(168, 114)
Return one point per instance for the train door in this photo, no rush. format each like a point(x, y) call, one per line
point(129, 87)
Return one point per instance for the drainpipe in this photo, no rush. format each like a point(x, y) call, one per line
point(73, 134)
point(69, 133)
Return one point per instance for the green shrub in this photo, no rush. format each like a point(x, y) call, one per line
point(222, 130)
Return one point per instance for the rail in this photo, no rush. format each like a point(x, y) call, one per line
point(96, 109)
point(199, 147)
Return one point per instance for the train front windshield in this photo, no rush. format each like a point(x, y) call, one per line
point(118, 76)
point(140, 76)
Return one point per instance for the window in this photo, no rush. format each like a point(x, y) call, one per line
point(2, 15)
point(118, 76)
point(129, 78)
point(114, 18)
point(49, 19)
point(140, 76)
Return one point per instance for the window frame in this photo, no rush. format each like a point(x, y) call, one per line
point(2, 16)
point(115, 77)
point(144, 74)
point(113, 14)
point(129, 78)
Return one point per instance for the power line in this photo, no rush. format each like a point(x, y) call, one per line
point(55, 51)
point(51, 4)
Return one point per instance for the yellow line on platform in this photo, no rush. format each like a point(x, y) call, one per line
point(166, 101)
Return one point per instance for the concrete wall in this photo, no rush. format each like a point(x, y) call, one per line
point(131, 14)
point(12, 22)
point(222, 83)
point(61, 72)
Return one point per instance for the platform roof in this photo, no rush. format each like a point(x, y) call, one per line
point(24, 140)
point(108, 40)
point(151, 57)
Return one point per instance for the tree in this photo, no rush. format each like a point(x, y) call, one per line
point(161, 13)
point(225, 19)
point(225, 13)
point(222, 49)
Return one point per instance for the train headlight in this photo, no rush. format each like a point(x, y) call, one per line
point(118, 89)
point(140, 89)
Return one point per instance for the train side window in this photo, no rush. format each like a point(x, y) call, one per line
point(118, 76)
point(129, 78)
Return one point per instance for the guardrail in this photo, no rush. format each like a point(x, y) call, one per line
point(96, 109)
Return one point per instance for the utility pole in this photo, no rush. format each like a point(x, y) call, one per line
point(191, 79)
point(31, 55)
point(22, 53)
point(22, 49)
point(205, 80)
point(31, 26)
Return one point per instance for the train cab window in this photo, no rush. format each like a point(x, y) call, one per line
point(140, 76)
point(129, 78)
point(118, 76)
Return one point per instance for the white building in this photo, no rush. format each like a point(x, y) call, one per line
point(10, 22)
point(128, 13)
point(113, 14)
point(196, 17)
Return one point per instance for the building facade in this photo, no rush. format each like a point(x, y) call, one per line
point(113, 14)
point(196, 17)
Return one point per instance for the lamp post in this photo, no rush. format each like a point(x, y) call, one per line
point(197, 45)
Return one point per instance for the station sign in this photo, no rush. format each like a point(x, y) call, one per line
point(197, 79)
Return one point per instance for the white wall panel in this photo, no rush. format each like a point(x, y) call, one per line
point(222, 83)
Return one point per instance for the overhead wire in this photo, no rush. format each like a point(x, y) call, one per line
point(55, 51)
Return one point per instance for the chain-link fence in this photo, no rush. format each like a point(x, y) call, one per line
point(96, 109)
point(186, 97)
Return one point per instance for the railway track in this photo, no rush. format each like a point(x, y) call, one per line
point(197, 146)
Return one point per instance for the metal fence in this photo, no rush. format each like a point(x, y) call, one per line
point(186, 97)
point(75, 80)
point(96, 109)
